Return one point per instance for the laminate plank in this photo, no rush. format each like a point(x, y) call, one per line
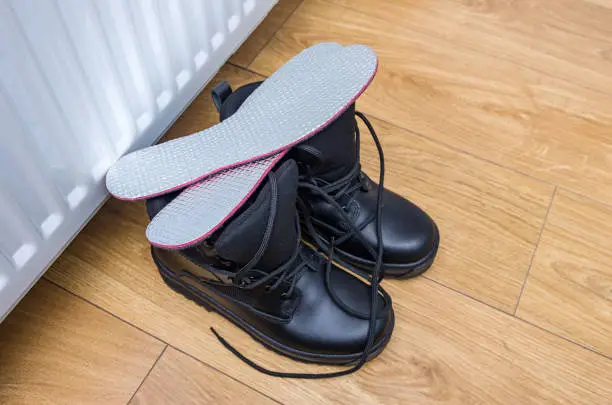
point(464, 73)
point(569, 289)
point(179, 379)
point(58, 349)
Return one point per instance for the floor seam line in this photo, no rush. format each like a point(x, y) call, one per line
point(225, 374)
point(588, 197)
point(148, 373)
point(582, 346)
point(457, 149)
point(535, 250)
point(441, 284)
point(103, 309)
point(246, 69)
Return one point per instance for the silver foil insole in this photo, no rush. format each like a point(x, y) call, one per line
point(303, 97)
point(295, 102)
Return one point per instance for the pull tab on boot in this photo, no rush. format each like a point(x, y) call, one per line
point(220, 93)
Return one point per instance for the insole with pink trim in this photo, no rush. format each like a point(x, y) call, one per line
point(227, 161)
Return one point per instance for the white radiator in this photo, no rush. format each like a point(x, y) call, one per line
point(81, 83)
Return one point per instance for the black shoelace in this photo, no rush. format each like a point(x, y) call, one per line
point(339, 194)
point(284, 272)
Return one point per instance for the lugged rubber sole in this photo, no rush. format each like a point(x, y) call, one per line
point(208, 303)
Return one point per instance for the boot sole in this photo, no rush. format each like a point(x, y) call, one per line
point(400, 271)
point(211, 305)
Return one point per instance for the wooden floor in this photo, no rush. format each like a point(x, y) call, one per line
point(496, 118)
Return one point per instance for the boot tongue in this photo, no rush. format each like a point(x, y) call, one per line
point(331, 153)
point(241, 238)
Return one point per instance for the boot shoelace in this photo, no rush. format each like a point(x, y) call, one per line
point(282, 273)
point(333, 192)
point(248, 277)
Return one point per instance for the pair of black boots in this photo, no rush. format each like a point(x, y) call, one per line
point(271, 268)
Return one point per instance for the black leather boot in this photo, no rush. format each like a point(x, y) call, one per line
point(256, 272)
point(338, 201)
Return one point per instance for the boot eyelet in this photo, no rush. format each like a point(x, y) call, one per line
point(285, 296)
point(245, 282)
